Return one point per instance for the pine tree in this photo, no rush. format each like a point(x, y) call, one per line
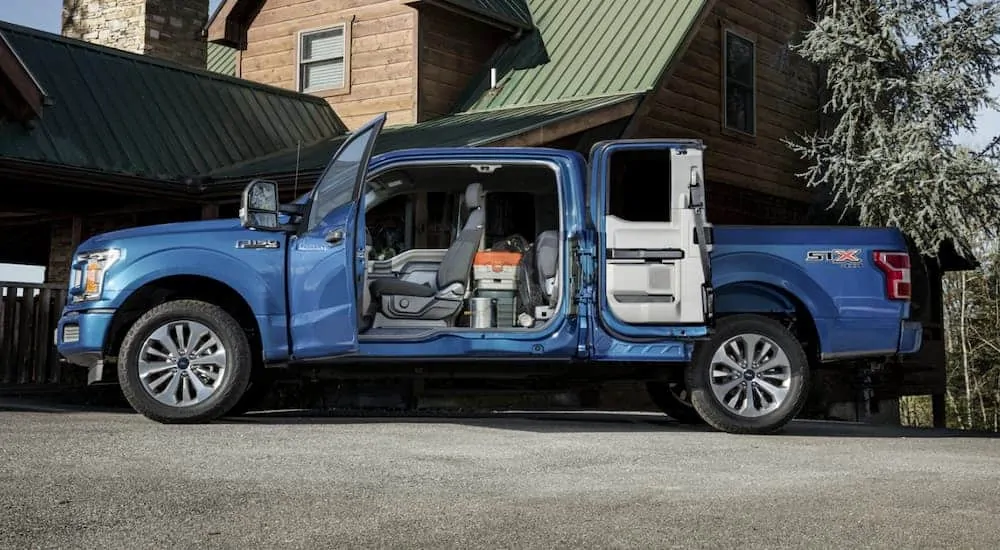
point(904, 78)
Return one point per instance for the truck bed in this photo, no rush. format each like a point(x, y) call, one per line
point(827, 272)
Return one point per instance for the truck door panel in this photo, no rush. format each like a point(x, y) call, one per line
point(327, 259)
point(649, 271)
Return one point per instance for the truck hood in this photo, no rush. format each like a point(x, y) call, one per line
point(165, 230)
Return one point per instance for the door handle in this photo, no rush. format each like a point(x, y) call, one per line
point(335, 236)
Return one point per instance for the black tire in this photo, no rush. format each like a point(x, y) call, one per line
point(670, 398)
point(723, 417)
point(231, 387)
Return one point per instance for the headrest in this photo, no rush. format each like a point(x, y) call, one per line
point(473, 196)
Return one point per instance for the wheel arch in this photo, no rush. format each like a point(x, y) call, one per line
point(179, 287)
point(767, 300)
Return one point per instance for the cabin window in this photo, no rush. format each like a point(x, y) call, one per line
point(322, 59)
point(739, 76)
point(639, 186)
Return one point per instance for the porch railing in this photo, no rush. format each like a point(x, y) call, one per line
point(28, 317)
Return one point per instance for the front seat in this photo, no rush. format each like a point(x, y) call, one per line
point(547, 263)
point(399, 299)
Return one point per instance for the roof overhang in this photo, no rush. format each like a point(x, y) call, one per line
point(230, 21)
point(21, 96)
point(467, 10)
point(86, 179)
point(560, 127)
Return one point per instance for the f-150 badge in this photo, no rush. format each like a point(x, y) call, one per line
point(845, 258)
point(258, 244)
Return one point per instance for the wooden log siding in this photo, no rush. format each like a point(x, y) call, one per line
point(451, 51)
point(380, 65)
point(688, 102)
point(28, 317)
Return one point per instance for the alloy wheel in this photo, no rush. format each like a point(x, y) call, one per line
point(750, 375)
point(182, 363)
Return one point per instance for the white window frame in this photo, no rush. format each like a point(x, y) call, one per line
point(726, 33)
point(300, 63)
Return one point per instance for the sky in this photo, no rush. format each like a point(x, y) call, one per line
point(45, 15)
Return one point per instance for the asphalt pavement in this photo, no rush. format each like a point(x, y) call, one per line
point(73, 479)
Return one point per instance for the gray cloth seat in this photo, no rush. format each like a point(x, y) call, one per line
point(398, 299)
point(386, 285)
point(547, 262)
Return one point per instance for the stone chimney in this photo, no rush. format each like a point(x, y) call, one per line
point(166, 29)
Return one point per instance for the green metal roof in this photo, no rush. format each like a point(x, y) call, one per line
point(461, 130)
point(134, 115)
point(512, 12)
point(221, 59)
point(585, 49)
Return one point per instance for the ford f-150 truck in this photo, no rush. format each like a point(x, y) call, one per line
point(622, 274)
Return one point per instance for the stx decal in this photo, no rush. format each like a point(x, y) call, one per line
point(847, 258)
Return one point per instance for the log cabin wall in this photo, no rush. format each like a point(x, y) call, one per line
point(451, 51)
point(378, 52)
point(750, 172)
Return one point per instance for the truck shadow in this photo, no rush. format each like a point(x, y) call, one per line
point(589, 422)
point(538, 421)
point(529, 421)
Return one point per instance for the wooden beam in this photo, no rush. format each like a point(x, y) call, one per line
point(215, 29)
point(24, 97)
point(570, 126)
point(135, 208)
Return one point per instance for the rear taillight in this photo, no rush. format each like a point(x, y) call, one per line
point(896, 266)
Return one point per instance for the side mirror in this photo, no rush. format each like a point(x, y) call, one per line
point(259, 206)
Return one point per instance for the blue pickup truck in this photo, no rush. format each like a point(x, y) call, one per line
point(622, 278)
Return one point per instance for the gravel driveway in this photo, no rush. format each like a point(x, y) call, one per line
point(116, 480)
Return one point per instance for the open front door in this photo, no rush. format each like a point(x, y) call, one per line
point(326, 263)
point(646, 201)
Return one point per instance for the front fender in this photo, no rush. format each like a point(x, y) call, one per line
point(260, 282)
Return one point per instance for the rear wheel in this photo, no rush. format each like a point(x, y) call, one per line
point(185, 361)
point(751, 377)
point(674, 399)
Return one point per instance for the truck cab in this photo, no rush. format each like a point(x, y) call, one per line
point(605, 279)
point(651, 278)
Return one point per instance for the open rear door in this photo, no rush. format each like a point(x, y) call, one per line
point(326, 263)
point(647, 203)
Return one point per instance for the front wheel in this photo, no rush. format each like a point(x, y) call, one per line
point(185, 361)
point(751, 377)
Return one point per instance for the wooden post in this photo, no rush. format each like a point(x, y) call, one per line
point(210, 211)
point(420, 220)
point(76, 234)
point(938, 410)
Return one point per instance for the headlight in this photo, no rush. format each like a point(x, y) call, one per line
point(88, 274)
